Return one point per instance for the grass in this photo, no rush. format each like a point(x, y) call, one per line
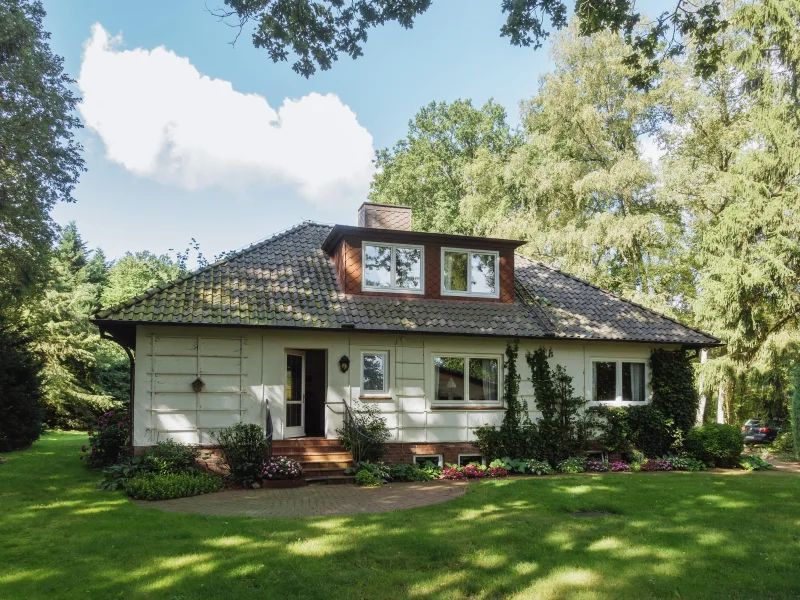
point(672, 535)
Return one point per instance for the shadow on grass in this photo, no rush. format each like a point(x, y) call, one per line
point(681, 535)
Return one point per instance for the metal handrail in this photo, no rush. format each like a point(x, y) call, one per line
point(363, 438)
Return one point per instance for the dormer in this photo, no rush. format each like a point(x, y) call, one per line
point(382, 256)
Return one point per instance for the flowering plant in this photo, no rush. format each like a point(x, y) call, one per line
point(281, 467)
point(496, 472)
point(596, 466)
point(656, 464)
point(618, 466)
point(474, 471)
point(108, 441)
point(576, 464)
point(452, 473)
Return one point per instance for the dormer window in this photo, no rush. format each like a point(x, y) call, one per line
point(392, 268)
point(470, 273)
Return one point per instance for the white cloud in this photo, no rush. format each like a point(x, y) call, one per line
point(159, 117)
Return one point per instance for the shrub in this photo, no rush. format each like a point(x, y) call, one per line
point(110, 440)
point(473, 471)
point(596, 466)
point(410, 472)
point(281, 467)
point(157, 486)
point(116, 477)
point(511, 465)
point(431, 470)
point(675, 394)
point(794, 408)
point(539, 467)
point(367, 479)
point(452, 472)
point(244, 450)
point(21, 407)
point(575, 464)
point(619, 466)
point(750, 462)
point(715, 443)
point(783, 444)
point(170, 457)
point(649, 430)
point(656, 464)
point(496, 472)
point(379, 469)
point(366, 436)
point(687, 464)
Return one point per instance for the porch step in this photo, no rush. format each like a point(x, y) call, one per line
point(319, 457)
point(333, 480)
point(316, 456)
point(305, 442)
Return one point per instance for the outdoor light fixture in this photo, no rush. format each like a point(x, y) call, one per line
point(344, 363)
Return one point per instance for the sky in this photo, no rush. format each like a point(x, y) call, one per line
point(186, 136)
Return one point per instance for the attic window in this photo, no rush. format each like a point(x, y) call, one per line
point(470, 273)
point(392, 268)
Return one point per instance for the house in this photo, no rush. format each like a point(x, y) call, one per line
point(298, 326)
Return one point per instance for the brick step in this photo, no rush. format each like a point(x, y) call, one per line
point(323, 472)
point(302, 442)
point(330, 480)
point(327, 464)
point(311, 457)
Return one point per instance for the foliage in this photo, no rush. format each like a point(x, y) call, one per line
point(110, 440)
point(40, 161)
point(657, 464)
point(21, 408)
point(367, 479)
point(170, 456)
point(715, 443)
point(674, 388)
point(426, 169)
point(751, 462)
point(134, 274)
point(157, 486)
point(244, 449)
point(116, 476)
point(619, 466)
point(410, 472)
point(686, 464)
point(510, 464)
point(281, 467)
point(452, 472)
point(366, 437)
point(625, 428)
point(783, 444)
point(539, 467)
point(379, 469)
point(496, 472)
point(795, 409)
point(318, 31)
point(574, 464)
point(563, 429)
point(596, 466)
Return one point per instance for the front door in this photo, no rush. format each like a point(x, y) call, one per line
point(295, 421)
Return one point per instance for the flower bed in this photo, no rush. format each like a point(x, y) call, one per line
point(282, 472)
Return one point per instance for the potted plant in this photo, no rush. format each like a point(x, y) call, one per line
point(282, 472)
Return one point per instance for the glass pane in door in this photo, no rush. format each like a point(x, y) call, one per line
point(294, 390)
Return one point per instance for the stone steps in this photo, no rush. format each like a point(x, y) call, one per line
point(323, 460)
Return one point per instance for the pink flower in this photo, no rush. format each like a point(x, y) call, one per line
point(83, 448)
point(80, 457)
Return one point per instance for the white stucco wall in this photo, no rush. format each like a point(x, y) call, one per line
point(244, 368)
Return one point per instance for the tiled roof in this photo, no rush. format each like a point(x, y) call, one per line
point(289, 281)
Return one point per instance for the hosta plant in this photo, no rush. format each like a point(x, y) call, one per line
point(539, 467)
point(687, 464)
point(750, 462)
point(576, 464)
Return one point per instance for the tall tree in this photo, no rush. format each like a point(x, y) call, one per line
point(39, 159)
point(136, 273)
point(425, 170)
point(318, 31)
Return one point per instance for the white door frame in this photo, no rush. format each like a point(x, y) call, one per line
point(297, 431)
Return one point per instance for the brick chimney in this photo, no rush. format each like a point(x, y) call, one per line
point(384, 216)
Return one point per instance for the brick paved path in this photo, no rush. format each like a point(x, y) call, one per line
point(314, 500)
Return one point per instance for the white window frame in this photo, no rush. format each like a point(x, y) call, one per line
point(483, 459)
point(414, 458)
point(466, 401)
point(392, 289)
point(387, 368)
point(618, 401)
point(469, 292)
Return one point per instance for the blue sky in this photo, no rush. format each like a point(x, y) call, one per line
point(135, 196)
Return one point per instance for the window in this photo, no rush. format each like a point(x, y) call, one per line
point(467, 459)
point(436, 459)
point(466, 379)
point(470, 273)
point(374, 373)
point(618, 381)
point(392, 268)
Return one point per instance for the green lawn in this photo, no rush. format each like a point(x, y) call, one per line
point(676, 535)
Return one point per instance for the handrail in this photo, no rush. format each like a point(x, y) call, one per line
point(269, 431)
point(362, 441)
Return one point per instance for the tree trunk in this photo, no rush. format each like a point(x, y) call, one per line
point(701, 409)
point(723, 387)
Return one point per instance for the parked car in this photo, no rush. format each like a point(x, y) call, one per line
point(756, 431)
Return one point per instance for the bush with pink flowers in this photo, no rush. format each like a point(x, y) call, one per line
point(452, 472)
point(619, 466)
point(496, 472)
point(474, 471)
point(281, 467)
point(656, 464)
point(596, 466)
point(109, 441)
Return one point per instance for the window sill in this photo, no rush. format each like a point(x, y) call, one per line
point(497, 407)
point(618, 402)
point(374, 398)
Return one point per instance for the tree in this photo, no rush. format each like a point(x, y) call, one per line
point(579, 190)
point(425, 170)
point(39, 159)
point(318, 31)
point(136, 273)
point(21, 408)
